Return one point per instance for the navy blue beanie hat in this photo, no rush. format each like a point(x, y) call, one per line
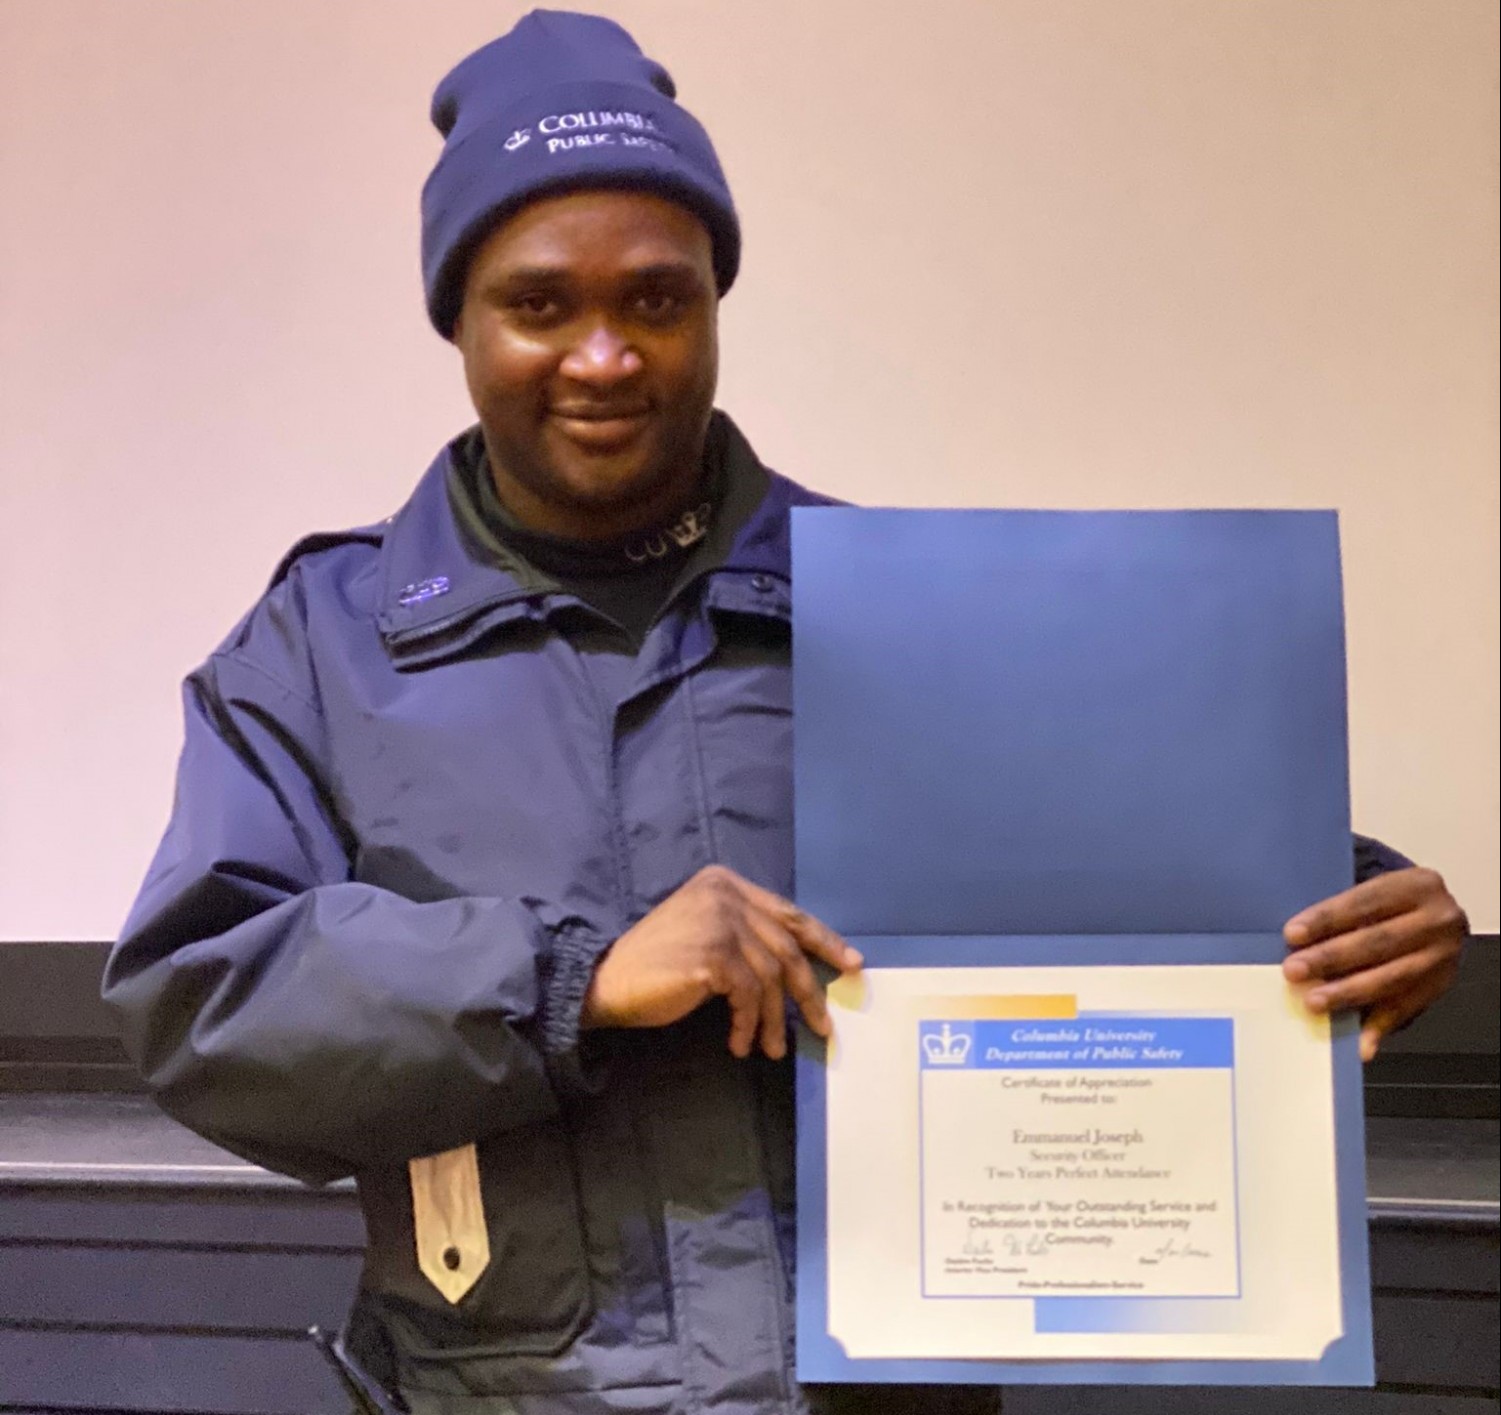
point(562, 102)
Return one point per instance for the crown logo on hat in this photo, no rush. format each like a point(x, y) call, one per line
point(519, 138)
point(946, 1047)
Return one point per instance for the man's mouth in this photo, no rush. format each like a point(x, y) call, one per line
point(600, 429)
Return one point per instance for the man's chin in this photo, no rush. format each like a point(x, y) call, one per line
point(602, 492)
point(615, 488)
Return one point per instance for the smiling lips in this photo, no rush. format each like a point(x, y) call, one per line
point(600, 429)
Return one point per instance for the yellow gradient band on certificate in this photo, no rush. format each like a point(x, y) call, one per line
point(1007, 1144)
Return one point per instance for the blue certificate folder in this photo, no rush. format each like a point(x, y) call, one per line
point(1040, 737)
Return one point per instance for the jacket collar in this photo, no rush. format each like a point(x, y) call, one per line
point(440, 590)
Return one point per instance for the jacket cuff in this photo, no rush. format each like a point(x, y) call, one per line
point(1374, 857)
point(567, 970)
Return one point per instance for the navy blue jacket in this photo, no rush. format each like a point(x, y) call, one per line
point(411, 813)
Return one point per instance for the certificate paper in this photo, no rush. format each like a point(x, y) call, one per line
point(1074, 1126)
point(1077, 1166)
point(1113, 1168)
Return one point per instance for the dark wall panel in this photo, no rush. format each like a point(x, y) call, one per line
point(1437, 1258)
point(166, 1372)
point(175, 1287)
point(241, 1219)
point(1437, 1340)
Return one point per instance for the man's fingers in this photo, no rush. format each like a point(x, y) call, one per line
point(1386, 1017)
point(736, 982)
point(797, 975)
point(773, 1015)
point(812, 936)
point(1375, 1027)
point(772, 941)
point(1390, 984)
point(1377, 899)
point(1349, 953)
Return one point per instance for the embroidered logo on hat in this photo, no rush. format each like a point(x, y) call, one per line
point(565, 132)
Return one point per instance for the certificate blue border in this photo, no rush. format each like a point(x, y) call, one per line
point(1348, 1360)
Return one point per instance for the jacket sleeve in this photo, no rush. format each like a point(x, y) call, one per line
point(310, 1023)
point(1373, 857)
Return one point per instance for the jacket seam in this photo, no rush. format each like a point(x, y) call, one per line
point(700, 782)
point(221, 720)
point(237, 660)
point(625, 884)
point(753, 1118)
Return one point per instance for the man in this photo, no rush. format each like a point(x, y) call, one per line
point(476, 885)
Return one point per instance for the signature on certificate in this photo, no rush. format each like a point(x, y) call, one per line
point(976, 1247)
point(1173, 1249)
point(1034, 1245)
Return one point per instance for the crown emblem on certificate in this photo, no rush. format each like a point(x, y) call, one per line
point(946, 1047)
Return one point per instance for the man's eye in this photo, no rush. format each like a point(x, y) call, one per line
point(658, 304)
point(536, 307)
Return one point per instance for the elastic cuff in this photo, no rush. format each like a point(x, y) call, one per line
point(1374, 857)
point(571, 960)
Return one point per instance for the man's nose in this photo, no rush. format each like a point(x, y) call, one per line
point(601, 356)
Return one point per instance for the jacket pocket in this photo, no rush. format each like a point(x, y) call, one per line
point(573, 1296)
point(535, 1294)
point(498, 1234)
point(622, 1219)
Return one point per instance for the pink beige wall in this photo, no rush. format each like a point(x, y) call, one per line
point(998, 252)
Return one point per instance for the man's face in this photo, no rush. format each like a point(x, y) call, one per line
point(589, 332)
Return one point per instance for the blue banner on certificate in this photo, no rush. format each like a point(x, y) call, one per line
point(1062, 777)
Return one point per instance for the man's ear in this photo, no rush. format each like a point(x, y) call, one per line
point(457, 337)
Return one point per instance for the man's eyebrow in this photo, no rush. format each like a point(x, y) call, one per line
point(665, 270)
point(528, 275)
point(549, 276)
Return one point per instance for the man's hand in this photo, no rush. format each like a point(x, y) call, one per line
point(719, 936)
point(1389, 946)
